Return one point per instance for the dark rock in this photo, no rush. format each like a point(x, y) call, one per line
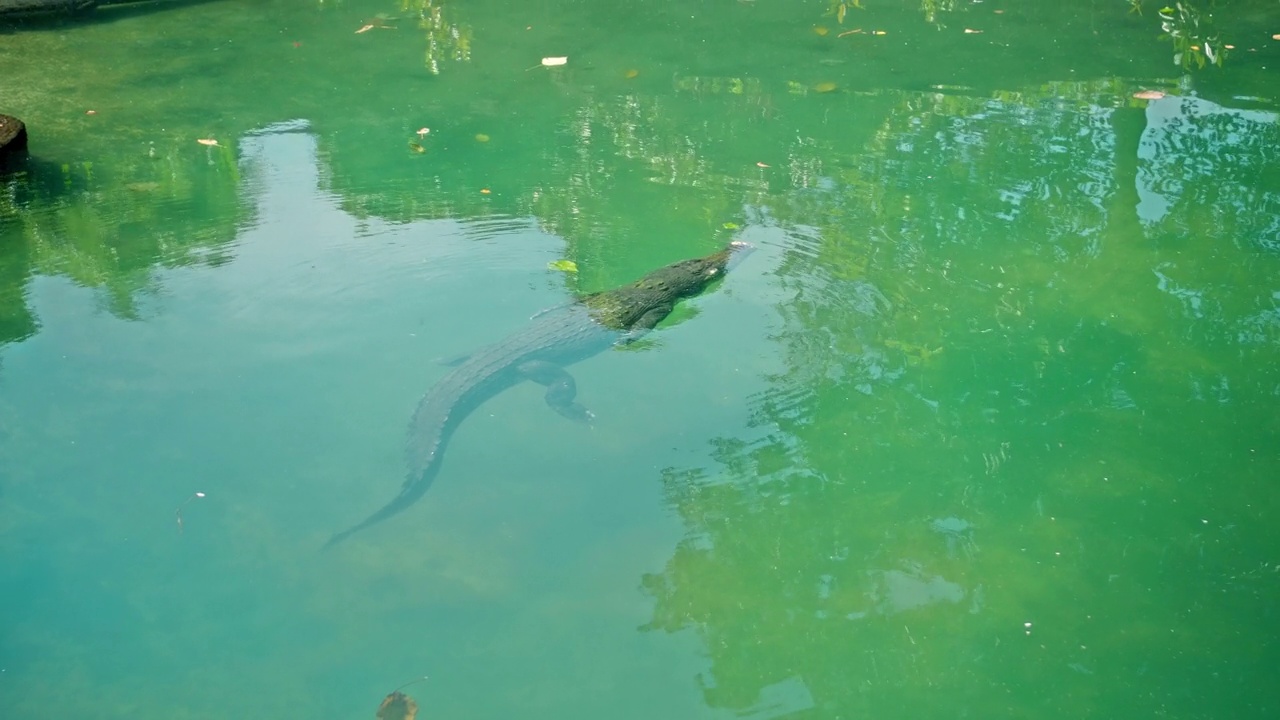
point(13, 139)
point(23, 8)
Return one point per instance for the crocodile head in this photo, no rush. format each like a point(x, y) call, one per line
point(688, 278)
point(661, 289)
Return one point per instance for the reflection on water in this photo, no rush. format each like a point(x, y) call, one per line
point(984, 428)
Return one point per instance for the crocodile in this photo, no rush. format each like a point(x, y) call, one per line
point(553, 338)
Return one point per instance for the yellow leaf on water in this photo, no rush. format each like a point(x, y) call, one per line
point(820, 30)
point(481, 137)
point(824, 87)
point(568, 266)
point(631, 74)
point(554, 61)
point(730, 226)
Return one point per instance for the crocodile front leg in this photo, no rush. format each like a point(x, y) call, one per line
point(561, 389)
point(647, 321)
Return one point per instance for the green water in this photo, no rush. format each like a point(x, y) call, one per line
point(986, 427)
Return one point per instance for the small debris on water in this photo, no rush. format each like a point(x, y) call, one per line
point(177, 512)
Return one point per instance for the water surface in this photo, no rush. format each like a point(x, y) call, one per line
point(985, 428)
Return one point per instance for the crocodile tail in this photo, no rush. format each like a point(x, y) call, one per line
point(413, 489)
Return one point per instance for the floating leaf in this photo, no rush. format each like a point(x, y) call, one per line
point(1148, 95)
point(568, 266)
point(416, 146)
point(824, 87)
point(208, 141)
point(879, 32)
point(631, 74)
point(364, 29)
point(763, 165)
point(485, 191)
point(554, 61)
point(397, 706)
point(481, 137)
point(730, 226)
point(971, 31)
point(820, 30)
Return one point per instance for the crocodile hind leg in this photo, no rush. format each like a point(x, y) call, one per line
point(561, 389)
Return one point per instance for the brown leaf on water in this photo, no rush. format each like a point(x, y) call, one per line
point(397, 706)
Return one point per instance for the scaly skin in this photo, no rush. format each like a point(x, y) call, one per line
point(539, 352)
